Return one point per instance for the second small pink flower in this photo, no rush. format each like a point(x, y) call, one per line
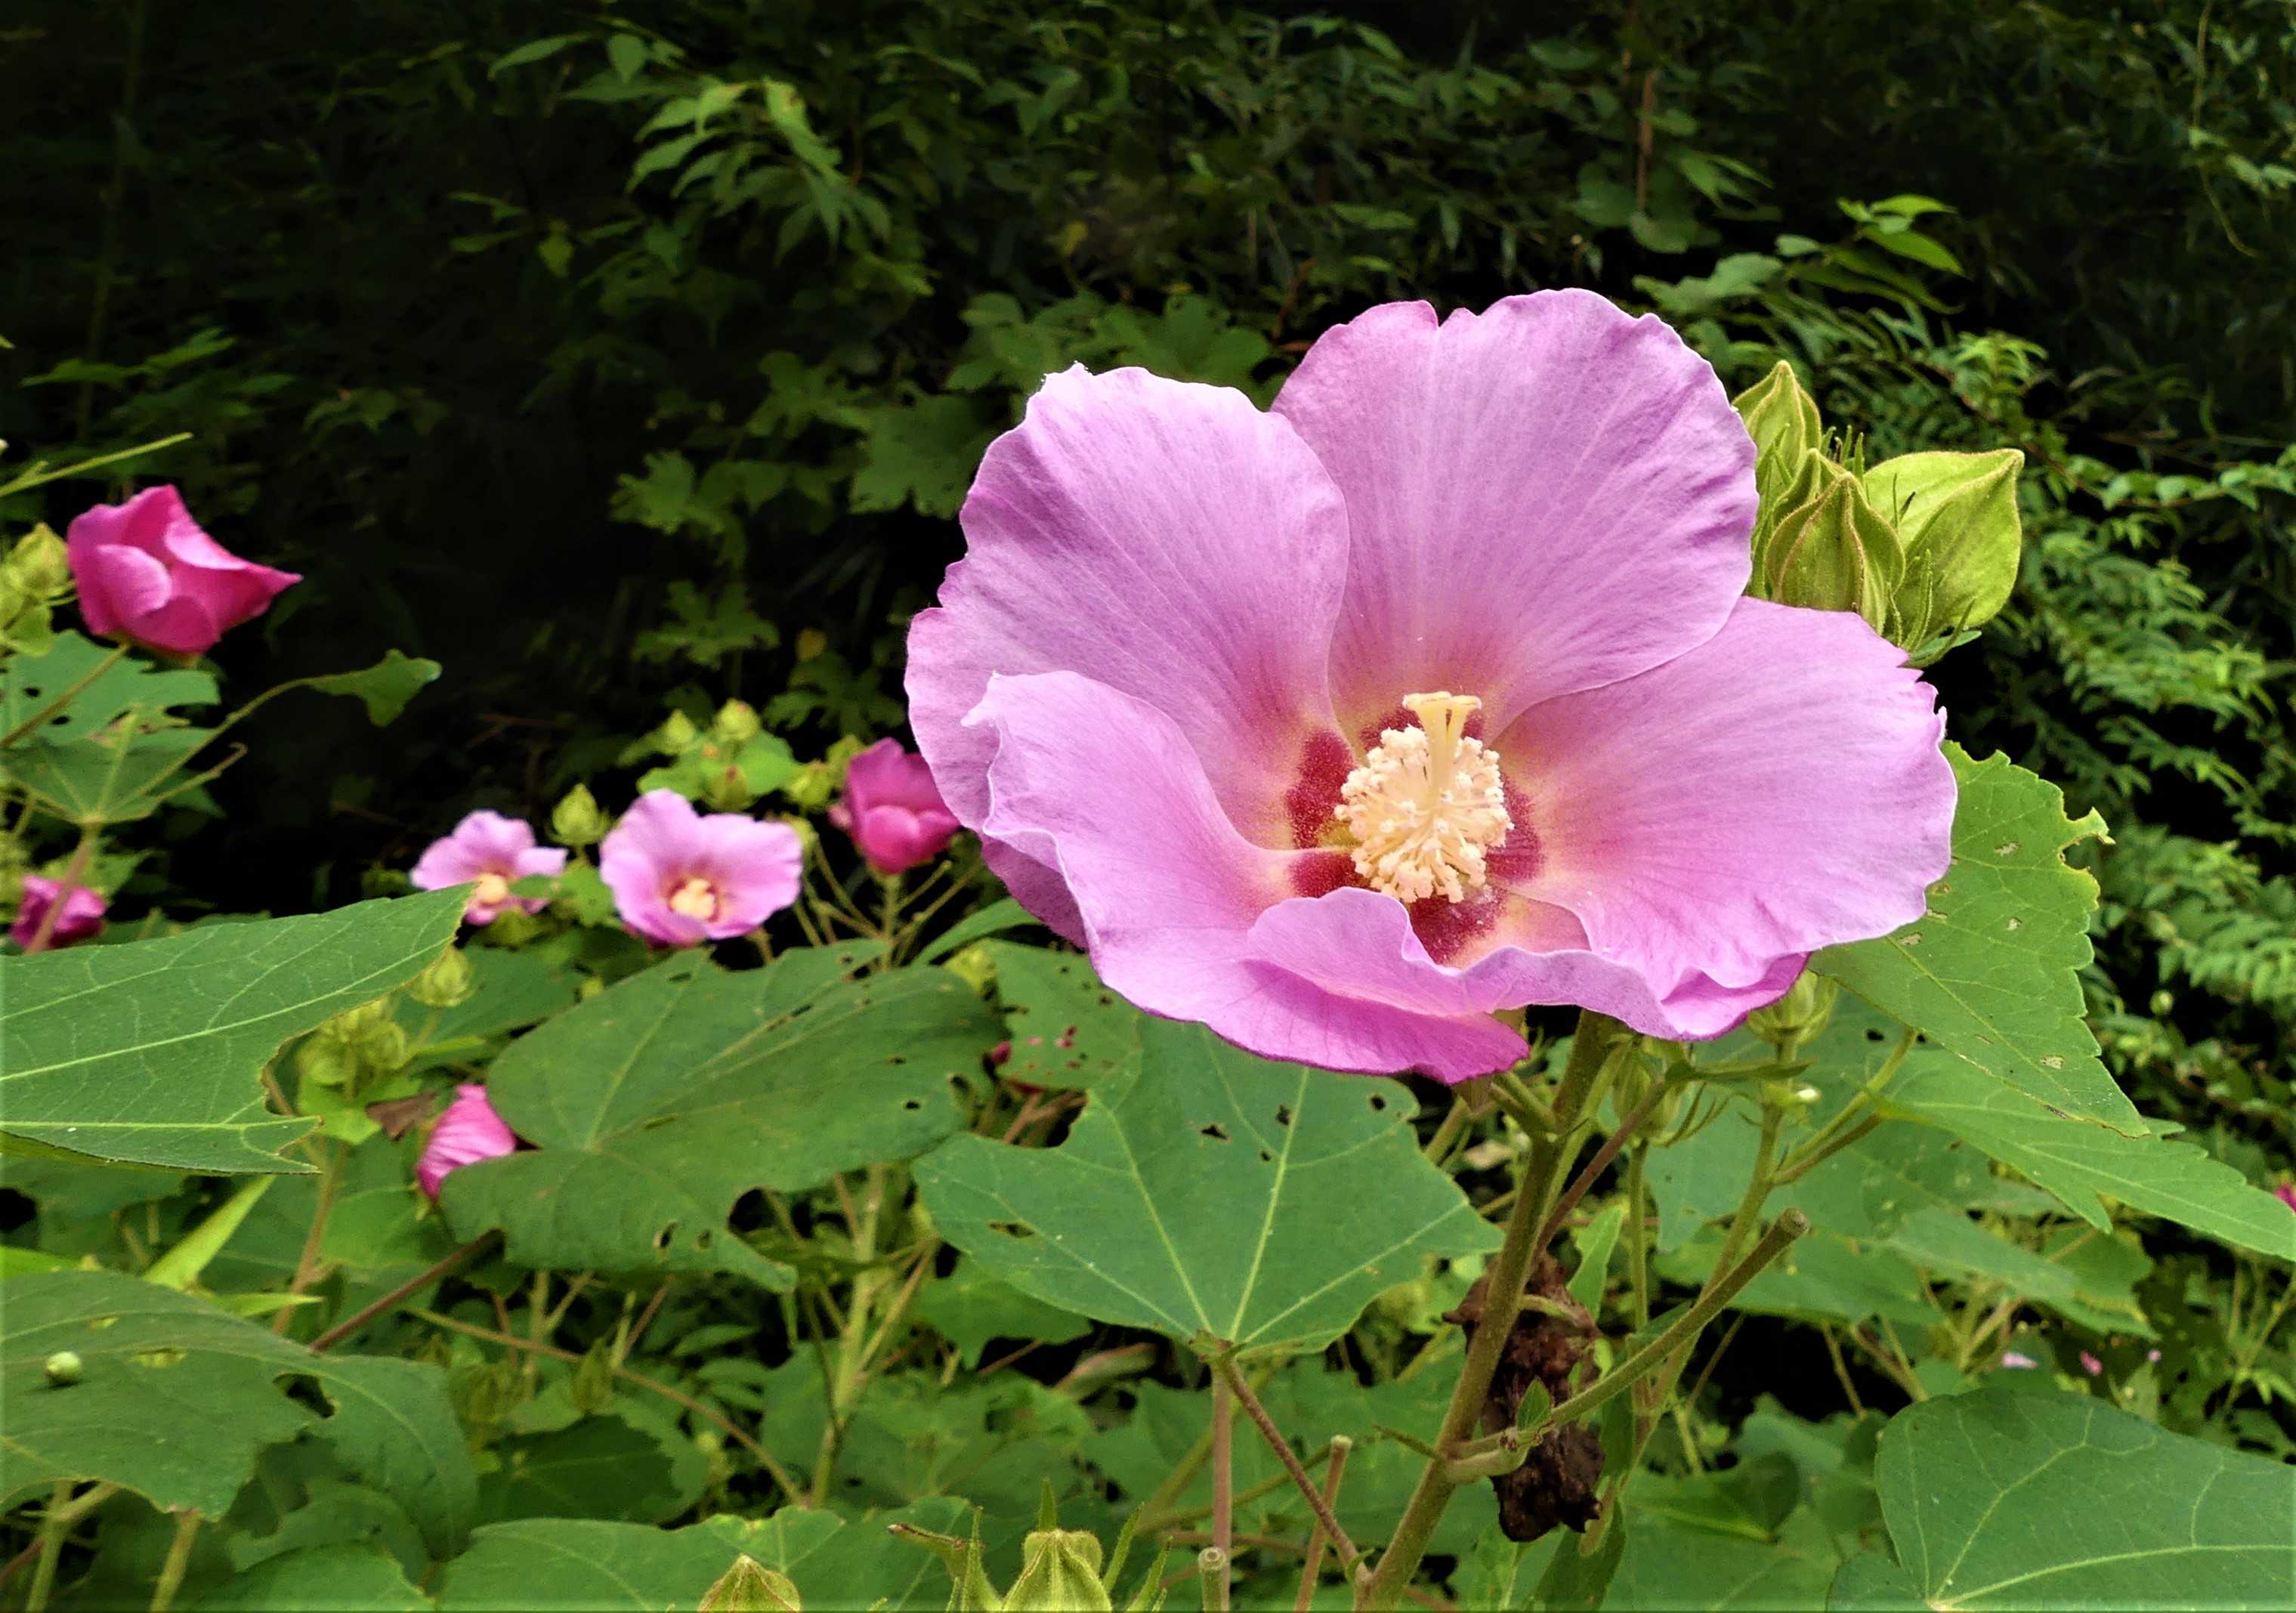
point(680, 878)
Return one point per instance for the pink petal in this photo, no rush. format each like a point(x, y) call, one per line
point(1170, 541)
point(1104, 788)
point(886, 776)
point(1360, 945)
point(1544, 498)
point(468, 1132)
point(1777, 790)
point(117, 583)
point(185, 625)
point(80, 916)
point(755, 867)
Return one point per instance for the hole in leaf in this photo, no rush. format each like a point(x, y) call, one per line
point(701, 1238)
point(661, 1239)
point(1013, 1229)
point(1875, 1035)
point(1267, 1158)
point(1283, 1114)
point(896, 1058)
point(1212, 1131)
point(913, 1104)
point(1379, 1101)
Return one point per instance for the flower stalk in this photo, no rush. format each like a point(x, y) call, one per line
point(1509, 1270)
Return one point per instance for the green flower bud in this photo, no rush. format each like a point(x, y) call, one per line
point(976, 966)
point(748, 1586)
point(323, 1061)
point(514, 927)
point(1060, 1573)
point(592, 1387)
point(448, 983)
point(1799, 1015)
point(576, 821)
point(63, 1368)
point(737, 723)
point(39, 563)
point(384, 1047)
point(353, 1024)
point(675, 736)
point(724, 789)
point(1783, 420)
point(1955, 515)
point(1833, 553)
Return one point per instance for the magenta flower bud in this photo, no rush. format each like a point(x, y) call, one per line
point(680, 878)
point(1431, 693)
point(2286, 1193)
point(80, 915)
point(2091, 1364)
point(493, 850)
point(145, 572)
point(469, 1131)
point(892, 809)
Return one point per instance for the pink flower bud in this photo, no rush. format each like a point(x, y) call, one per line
point(492, 850)
point(80, 916)
point(469, 1131)
point(2286, 1193)
point(145, 572)
point(892, 809)
point(2091, 1364)
point(680, 878)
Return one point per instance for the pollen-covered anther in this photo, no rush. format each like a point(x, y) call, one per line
point(1427, 804)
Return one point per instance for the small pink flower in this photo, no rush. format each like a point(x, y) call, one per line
point(2091, 1364)
point(493, 850)
point(2286, 1193)
point(469, 1131)
point(892, 809)
point(680, 878)
point(145, 572)
point(2014, 1358)
point(80, 916)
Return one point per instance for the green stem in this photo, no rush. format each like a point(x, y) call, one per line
point(398, 1295)
point(55, 1525)
point(1318, 1537)
point(38, 473)
point(118, 653)
point(1223, 1483)
point(1678, 1337)
point(845, 1366)
point(1505, 1279)
point(1327, 1521)
point(1638, 1234)
point(1758, 1188)
point(179, 1558)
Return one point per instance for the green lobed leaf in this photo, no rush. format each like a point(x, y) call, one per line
point(384, 687)
point(658, 1104)
point(1991, 971)
point(352, 1576)
point(2014, 1499)
point(1068, 1030)
point(1214, 1195)
point(149, 1052)
point(175, 1397)
point(28, 682)
point(2083, 1165)
point(970, 1308)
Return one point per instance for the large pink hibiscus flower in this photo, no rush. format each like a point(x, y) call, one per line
point(1431, 693)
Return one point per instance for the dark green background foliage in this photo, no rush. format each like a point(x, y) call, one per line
point(643, 351)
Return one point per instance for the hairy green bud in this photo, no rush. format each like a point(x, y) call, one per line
point(1783, 420)
point(39, 563)
point(576, 821)
point(1955, 515)
point(448, 983)
point(1833, 554)
point(748, 1586)
point(1799, 1015)
point(737, 723)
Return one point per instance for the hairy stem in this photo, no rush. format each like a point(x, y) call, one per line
point(179, 1560)
point(1319, 1537)
point(1326, 1519)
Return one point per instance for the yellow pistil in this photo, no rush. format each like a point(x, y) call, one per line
point(1426, 804)
point(493, 891)
point(696, 898)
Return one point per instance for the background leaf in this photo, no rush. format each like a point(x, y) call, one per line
point(661, 1102)
point(148, 1053)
